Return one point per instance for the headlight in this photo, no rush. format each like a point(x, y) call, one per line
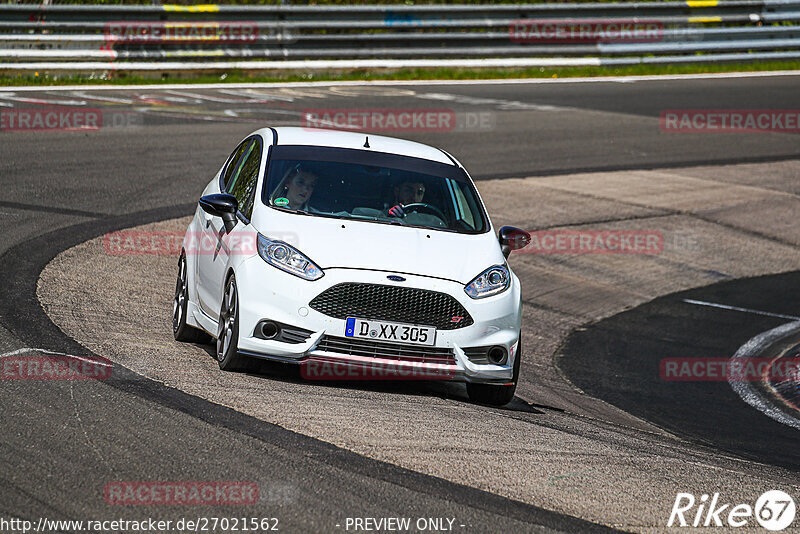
point(287, 258)
point(490, 282)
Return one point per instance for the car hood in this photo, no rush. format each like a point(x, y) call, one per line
point(339, 243)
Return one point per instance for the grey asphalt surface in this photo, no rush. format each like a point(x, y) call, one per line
point(67, 437)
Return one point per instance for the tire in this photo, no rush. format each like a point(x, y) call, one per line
point(228, 331)
point(182, 331)
point(495, 395)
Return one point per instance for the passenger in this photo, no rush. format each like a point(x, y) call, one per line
point(296, 187)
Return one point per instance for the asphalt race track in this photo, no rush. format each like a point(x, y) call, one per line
point(597, 438)
point(628, 348)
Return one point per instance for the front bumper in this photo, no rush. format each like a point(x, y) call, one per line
point(270, 294)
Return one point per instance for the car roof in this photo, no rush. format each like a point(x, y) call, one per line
point(292, 135)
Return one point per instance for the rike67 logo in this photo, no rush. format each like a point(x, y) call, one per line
point(774, 510)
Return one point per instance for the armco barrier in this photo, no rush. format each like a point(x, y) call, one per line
point(220, 37)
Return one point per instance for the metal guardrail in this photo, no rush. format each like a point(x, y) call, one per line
point(209, 37)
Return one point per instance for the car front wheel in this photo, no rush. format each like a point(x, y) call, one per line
point(497, 395)
point(228, 331)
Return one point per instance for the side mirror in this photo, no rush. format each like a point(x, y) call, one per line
point(221, 205)
point(512, 239)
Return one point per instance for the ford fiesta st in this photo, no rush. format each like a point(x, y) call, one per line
point(361, 251)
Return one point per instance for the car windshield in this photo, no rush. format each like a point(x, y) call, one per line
point(375, 187)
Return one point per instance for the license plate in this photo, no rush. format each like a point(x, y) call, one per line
point(392, 332)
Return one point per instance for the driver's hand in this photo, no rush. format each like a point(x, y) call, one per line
point(397, 211)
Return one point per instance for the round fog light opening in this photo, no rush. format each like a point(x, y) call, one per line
point(497, 355)
point(269, 329)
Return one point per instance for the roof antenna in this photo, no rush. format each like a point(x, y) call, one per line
point(366, 143)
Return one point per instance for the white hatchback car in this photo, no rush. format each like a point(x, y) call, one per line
point(337, 250)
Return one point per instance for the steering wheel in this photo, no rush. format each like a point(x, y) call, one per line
point(425, 207)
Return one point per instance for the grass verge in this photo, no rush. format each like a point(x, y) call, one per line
point(123, 78)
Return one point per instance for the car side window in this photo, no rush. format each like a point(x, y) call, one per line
point(463, 211)
point(233, 164)
point(243, 182)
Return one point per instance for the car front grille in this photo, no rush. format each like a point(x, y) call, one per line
point(391, 351)
point(391, 303)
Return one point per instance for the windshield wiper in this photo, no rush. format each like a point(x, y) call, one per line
point(391, 220)
point(292, 210)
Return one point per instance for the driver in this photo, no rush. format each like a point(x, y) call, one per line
point(406, 193)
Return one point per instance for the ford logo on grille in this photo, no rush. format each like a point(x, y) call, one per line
point(395, 278)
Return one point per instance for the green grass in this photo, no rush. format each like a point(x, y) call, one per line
point(401, 74)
